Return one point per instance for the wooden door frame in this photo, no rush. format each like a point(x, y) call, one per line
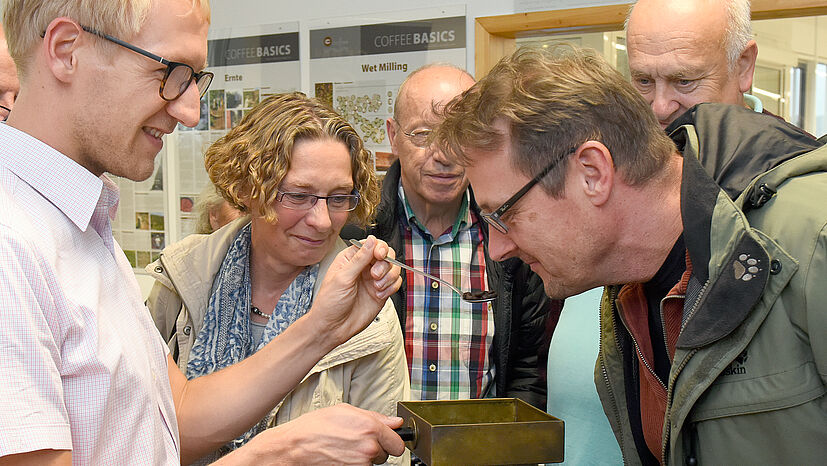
point(495, 36)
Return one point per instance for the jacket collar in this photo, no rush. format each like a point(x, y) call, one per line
point(737, 144)
point(732, 152)
point(731, 277)
point(387, 212)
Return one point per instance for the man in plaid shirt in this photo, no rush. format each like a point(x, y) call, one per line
point(455, 349)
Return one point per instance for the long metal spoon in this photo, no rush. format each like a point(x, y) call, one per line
point(468, 296)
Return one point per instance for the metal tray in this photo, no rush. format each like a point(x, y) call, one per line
point(486, 431)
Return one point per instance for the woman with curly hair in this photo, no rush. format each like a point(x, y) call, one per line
point(300, 172)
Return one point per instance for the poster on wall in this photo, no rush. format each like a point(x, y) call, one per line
point(357, 68)
point(140, 225)
point(249, 64)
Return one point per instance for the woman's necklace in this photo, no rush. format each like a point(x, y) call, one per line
point(257, 312)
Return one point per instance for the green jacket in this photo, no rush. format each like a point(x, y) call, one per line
point(749, 374)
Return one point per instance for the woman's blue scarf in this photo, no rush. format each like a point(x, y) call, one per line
point(225, 337)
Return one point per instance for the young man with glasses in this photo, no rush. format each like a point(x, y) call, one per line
point(455, 349)
point(713, 314)
point(85, 377)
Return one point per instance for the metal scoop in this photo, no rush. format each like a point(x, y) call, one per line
point(468, 296)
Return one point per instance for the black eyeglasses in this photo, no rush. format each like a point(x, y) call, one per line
point(4, 112)
point(177, 77)
point(495, 218)
point(305, 201)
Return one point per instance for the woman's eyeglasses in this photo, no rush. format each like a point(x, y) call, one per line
point(305, 201)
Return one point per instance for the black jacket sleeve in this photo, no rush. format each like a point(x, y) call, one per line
point(532, 314)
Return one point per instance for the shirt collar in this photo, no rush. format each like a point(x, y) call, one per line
point(462, 221)
point(754, 103)
point(70, 187)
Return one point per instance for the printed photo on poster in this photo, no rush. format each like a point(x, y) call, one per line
point(217, 109)
point(157, 241)
point(251, 98)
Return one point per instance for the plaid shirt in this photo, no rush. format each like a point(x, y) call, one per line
point(447, 341)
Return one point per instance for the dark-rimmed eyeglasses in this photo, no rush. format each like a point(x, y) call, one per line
point(305, 201)
point(178, 75)
point(4, 113)
point(495, 218)
point(419, 137)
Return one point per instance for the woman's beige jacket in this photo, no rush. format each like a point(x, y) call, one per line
point(368, 371)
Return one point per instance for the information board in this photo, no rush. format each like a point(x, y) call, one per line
point(358, 68)
point(250, 64)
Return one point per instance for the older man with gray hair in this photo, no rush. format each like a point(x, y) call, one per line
point(685, 52)
point(455, 349)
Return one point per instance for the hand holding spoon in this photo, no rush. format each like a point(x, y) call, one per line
point(468, 296)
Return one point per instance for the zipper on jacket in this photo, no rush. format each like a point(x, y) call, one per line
point(605, 373)
point(673, 375)
point(652, 371)
point(694, 307)
point(640, 354)
point(669, 395)
point(663, 321)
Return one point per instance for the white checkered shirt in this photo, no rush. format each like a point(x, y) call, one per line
point(83, 367)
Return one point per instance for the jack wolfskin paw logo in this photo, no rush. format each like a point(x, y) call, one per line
point(746, 267)
point(737, 366)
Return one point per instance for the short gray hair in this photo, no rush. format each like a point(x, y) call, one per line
point(738, 28)
point(209, 200)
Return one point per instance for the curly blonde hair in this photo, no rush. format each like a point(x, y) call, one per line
point(252, 159)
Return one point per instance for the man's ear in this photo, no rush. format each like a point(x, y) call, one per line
point(745, 67)
point(390, 123)
point(594, 169)
point(60, 45)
